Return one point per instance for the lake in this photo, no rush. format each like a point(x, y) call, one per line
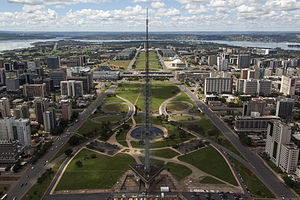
point(19, 44)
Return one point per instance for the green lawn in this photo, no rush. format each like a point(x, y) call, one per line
point(256, 187)
point(159, 93)
point(121, 65)
point(207, 129)
point(177, 106)
point(111, 99)
point(164, 153)
point(154, 63)
point(101, 172)
point(89, 126)
point(210, 161)
point(210, 180)
point(178, 171)
point(119, 107)
point(111, 119)
point(128, 91)
point(37, 191)
point(183, 118)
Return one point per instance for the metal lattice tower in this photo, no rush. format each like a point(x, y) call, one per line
point(147, 94)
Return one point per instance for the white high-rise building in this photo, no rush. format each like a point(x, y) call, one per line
point(71, 88)
point(16, 129)
point(49, 120)
point(278, 146)
point(288, 160)
point(218, 86)
point(288, 85)
point(4, 107)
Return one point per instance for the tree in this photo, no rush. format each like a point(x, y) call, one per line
point(68, 152)
point(79, 163)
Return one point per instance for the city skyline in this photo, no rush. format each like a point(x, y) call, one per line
point(129, 15)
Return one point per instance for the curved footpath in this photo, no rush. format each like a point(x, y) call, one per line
point(257, 166)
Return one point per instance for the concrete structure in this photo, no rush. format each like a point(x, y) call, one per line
point(16, 129)
point(282, 153)
point(34, 90)
point(41, 105)
point(288, 160)
point(288, 85)
point(253, 124)
point(264, 87)
point(243, 61)
point(126, 54)
point(212, 60)
point(2, 77)
point(66, 109)
point(250, 87)
point(12, 84)
point(106, 75)
point(57, 76)
point(218, 86)
point(53, 62)
point(284, 108)
point(8, 151)
point(4, 107)
point(254, 106)
point(49, 118)
point(167, 53)
point(87, 82)
point(72, 88)
point(195, 75)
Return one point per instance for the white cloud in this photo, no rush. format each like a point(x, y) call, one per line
point(54, 2)
point(157, 4)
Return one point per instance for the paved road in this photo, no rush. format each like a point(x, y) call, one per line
point(134, 59)
point(258, 166)
point(35, 171)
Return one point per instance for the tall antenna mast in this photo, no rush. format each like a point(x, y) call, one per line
point(147, 101)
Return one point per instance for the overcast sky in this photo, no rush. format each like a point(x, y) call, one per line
point(165, 15)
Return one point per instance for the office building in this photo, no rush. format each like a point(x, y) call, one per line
point(278, 146)
point(72, 88)
point(34, 90)
point(2, 77)
point(49, 85)
point(218, 86)
point(284, 108)
point(106, 75)
point(41, 105)
point(49, 118)
point(12, 84)
point(288, 85)
point(254, 106)
point(4, 107)
point(264, 87)
point(22, 111)
point(288, 159)
point(53, 62)
point(66, 108)
point(212, 60)
point(57, 76)
point(250, 87)
point(244, 73)
point(253, 124)
point(86, 82)
point(8, 151)
point(16, 129)
point(243, 61)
